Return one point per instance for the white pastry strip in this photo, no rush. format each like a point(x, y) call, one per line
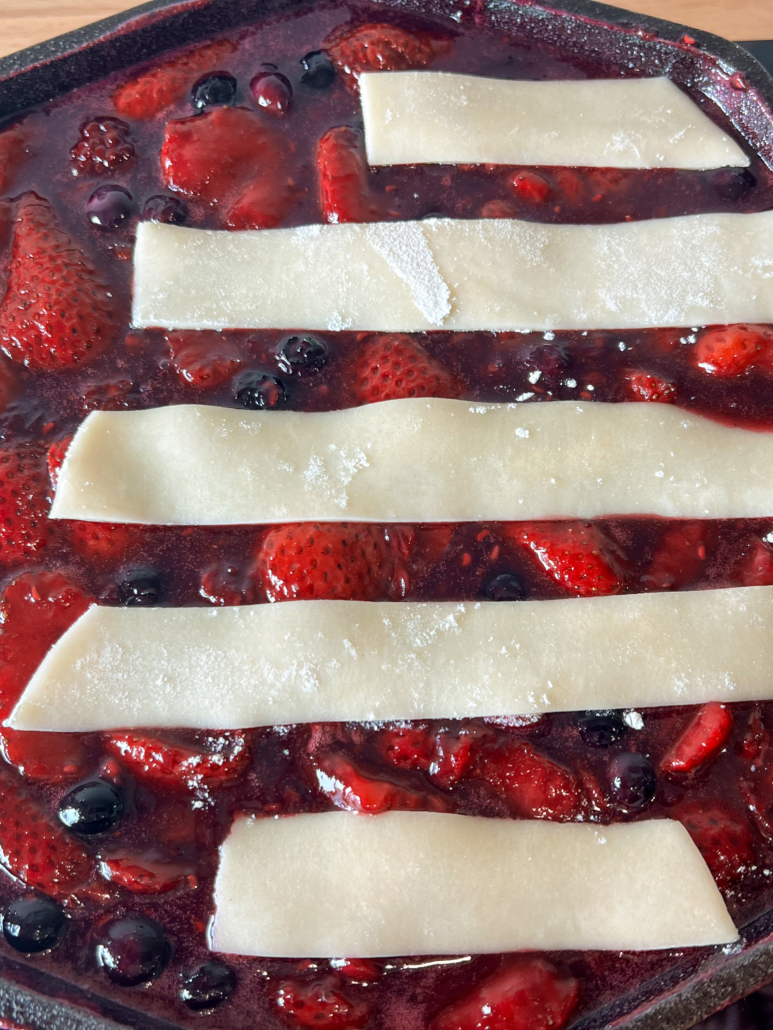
point(319, 661)
point(412, 460)
point(415, 117)
point(419, 883)
point(495, 274)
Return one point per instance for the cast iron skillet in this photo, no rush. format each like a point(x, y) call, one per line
point(723, 71)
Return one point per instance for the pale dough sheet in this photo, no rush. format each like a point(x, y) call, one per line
point(496, 274)
point(422, 117)
point(331, 661)
point(412, 460)
point(419, 883)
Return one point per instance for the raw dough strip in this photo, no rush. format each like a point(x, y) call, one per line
point(331, 661)
point(415, 117)
point(496, 274)
point(331, 884)
point(412, 460)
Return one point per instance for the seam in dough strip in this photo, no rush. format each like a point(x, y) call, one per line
point(423, 117)
point(412, 460)
point(331, 884)
point(335, 661)
point(495, 274)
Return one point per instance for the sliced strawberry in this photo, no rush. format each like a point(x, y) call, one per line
point(44, 757)
point(452, 757)
point(34, 848)
point(527, 993)
point(534, 784)
point(499, 208)
point(342, 172)
point(165, 84)
point(349, 789)
point(575, 554)
point(646, 386)
point(341, 560)
point(723, 838)
point(407, 747)
point(103, 539)
point(24, 502)
point(392, 366)
point(701, 739)
point(679, 558)
point(359, 969)
point(202, 359)
point(730, 350)
point(177, 767)
point(143, 877)
point(321, 1003)
point(57, 312)
point(757, 569)
point(226, 155)
point(529, 186)
point(55, 458)
point(35, 610)
point(379, 48)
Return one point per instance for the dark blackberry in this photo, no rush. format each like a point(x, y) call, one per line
point(302, 354)
point(214, 91)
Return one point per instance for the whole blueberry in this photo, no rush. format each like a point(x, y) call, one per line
point(272, 92)
point(302, 354)
point(91, 807)
point(169, 210)
point(208, 985)
point(33, 923)
point(257, 390)
point(632, 780)
point(602, 729)
point(213, 91)
point(140, 586)
point(110, 206)
point(734, 183)
point(318, 70)
point(133, 951)
point(506, 586)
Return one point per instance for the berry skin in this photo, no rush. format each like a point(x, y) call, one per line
point(33, 848)
point(632, 781)
point(272, 92)
point(43, 757)
point(730, 350)
point(203, 359)
point(342, 561)
point(57, 312)
point(722, 838)
point(92, 807)
point(35, 610)
point(393, 366)
point(169, 210)
point(147, 95)
point(110, 206)
point(318, 70)
point(342, 172)
point(24, 503)
point(320, 1004)
point(102, 540)
point(147, 878)
point(104, 147)
point(177, 767)
point(646, 386)
point(379, 48)
point(703, 736)
point(299, 354)
point(140, 587)
point(526, 994)
point(602, 729)
point(529, 186)
point(506, 586)
point(209, 985)
point(575, 554)
point(259, 391)
point(33, 923)
point(133, 951)
point(228, 156)
point(213, 91)
point(534, 784)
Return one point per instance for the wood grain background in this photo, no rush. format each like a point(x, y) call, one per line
point(23, 22)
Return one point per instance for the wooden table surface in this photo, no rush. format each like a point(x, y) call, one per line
point(23, 22)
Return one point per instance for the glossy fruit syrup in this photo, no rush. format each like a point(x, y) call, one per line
point(110, 840)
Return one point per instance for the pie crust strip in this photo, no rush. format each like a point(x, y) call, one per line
point(422, 117)
point(421, 883)
point(477, 274)
point(412, 460)
point(331, 661)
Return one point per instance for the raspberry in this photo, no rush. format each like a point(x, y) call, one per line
point(104, 146)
